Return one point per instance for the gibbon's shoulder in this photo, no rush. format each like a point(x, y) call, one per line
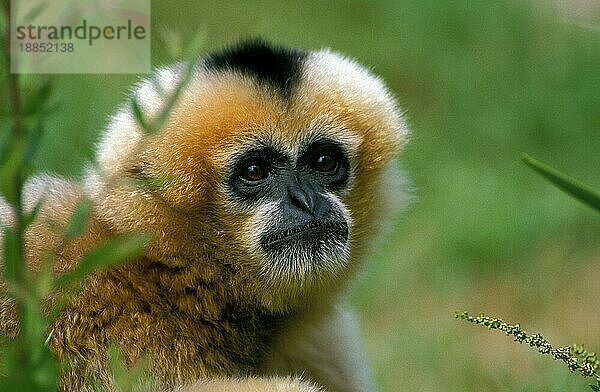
point(56, 195)
point(56, 198)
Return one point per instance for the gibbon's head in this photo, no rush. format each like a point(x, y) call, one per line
point(271, 163)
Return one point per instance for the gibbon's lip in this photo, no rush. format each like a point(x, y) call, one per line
point(312, 230)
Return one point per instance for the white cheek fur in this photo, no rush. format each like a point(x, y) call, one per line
point(295, 263)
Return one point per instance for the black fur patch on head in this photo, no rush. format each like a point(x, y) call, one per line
point(276, 67)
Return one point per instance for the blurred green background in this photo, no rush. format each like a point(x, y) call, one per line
point(481, 81)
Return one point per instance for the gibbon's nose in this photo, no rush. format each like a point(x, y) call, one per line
point(301, 198)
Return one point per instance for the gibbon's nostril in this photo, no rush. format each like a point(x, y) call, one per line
point(301, 199)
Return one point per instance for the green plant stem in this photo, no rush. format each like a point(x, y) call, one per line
point(585, 367)
point(27, 368)
point(17, 180)
point(567, 184)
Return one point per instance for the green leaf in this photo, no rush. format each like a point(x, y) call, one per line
point(564, 182)
point(37, 99)
point(33, 144)
point(165, 113)
point(129, 377)
point(154, 125)
point(112, 252)
point(176, 48)
point(137, 113)
point(11, 166)
point(25, 372)
point(11, 255)
point(4, 140)
point(30, 217)
point(153, 183)
point(193, 46)
point(78, 220)
point(172, 42)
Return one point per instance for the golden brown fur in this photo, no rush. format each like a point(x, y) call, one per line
point(197, 302)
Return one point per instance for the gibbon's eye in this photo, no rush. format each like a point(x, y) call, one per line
point(324, 163)
point(327, 163)
point(255, 171)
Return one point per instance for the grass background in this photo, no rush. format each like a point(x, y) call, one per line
point(481, 81)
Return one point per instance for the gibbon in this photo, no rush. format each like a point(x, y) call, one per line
point(272, 175)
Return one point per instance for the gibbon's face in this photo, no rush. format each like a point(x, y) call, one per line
point(297, 221)
point(278, 153)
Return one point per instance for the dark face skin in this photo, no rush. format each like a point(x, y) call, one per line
point(306, 218)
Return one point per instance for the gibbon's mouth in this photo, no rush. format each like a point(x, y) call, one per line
point(309, 232)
